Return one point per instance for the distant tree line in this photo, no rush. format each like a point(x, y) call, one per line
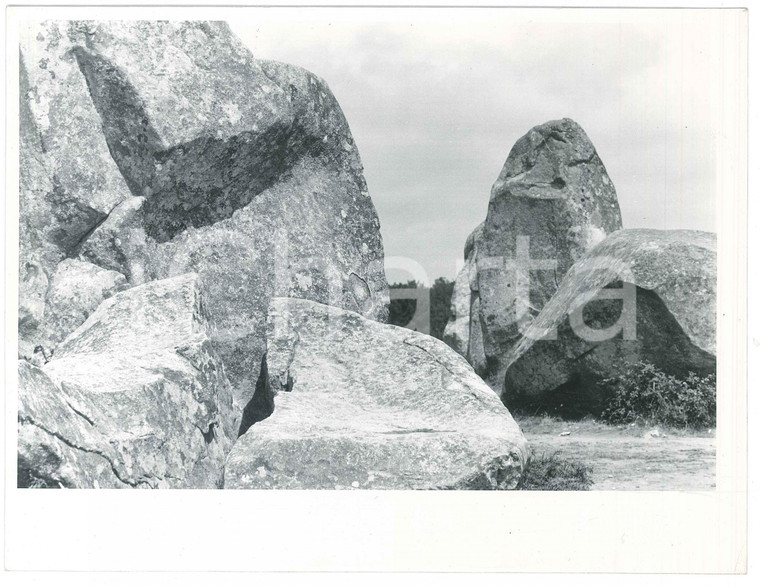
point(402, 310)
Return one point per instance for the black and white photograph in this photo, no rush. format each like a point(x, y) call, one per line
point(378, 251)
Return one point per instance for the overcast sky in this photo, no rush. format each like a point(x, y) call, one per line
point(436, 99)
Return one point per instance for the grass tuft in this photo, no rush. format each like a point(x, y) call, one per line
point(552, 472)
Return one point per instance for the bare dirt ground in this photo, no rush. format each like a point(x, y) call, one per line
point(628, 457)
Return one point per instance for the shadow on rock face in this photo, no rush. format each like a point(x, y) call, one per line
point(130, 136)
point(197, 183)
point(565, 377)
point(261, 404)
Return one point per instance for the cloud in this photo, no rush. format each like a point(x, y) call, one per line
point(435, 104)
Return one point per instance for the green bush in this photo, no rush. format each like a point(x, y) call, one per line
point(555, 473)
point(645, 394)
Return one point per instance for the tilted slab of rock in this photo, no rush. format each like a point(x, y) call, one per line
point(673, 278)
point(58, 445)
point(192, 120)
point(135, 397)
point(60, 200)
point(552, 202)
point(245, 172)
point(38, 253)
point(199, 126)
point(75, 291)
point(348, 402)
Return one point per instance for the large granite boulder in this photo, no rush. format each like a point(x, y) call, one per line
point(243, 171)
point(640, 295)
point(346, 402)
point(135, 397)
point(552, 201)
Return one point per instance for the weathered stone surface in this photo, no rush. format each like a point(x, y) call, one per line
point(38, 254)
point(249, 174)
point(475, 351)
point(552, 202)
point(457, 331)
point(68, 181)
point(348, 402)
point(135, 397)
point(199, 126)
point(292, 240)
point(58, 446)
point(83, 173)
point(189, 116)
point(119, 243)
point(673, 276)
point(76, 290)
point(153, 149)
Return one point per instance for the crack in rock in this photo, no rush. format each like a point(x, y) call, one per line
point(133, 483)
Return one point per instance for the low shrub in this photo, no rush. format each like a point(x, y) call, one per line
point(553, 472)
point(645, 394)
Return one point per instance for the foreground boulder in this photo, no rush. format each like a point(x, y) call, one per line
point(240, 170)
point(660, 308)
point(135, 397)
point(552, 202)
point(345, 402)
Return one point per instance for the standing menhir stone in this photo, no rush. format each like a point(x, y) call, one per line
point(551, 203)
point(663, 285)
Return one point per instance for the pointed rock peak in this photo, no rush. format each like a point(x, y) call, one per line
point(538, 164)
